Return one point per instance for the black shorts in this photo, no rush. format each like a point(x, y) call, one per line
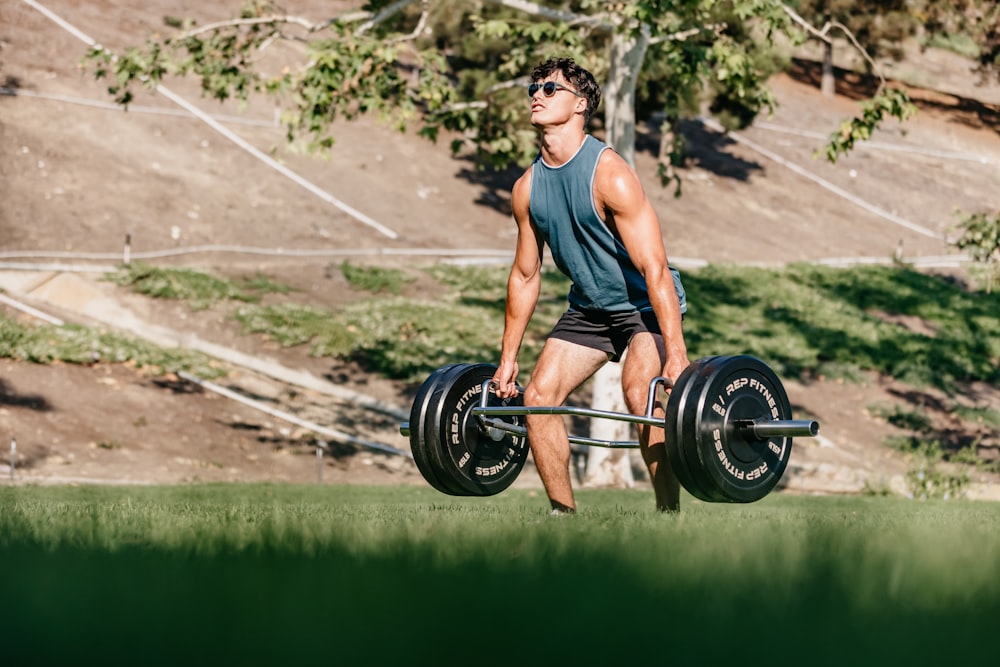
point(609, 332)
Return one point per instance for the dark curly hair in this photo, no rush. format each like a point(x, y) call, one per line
point(581, 80)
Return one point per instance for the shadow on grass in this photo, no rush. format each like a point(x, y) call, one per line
point(805, 319)
point(857, 86)
point(10, 397)
point(142, 606)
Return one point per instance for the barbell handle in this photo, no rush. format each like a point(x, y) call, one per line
point(495, 424)
point(650, 396)
point(485, 396)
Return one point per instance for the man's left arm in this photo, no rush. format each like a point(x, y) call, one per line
point(638, 226)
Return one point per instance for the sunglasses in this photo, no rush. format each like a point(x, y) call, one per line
point(549, 88)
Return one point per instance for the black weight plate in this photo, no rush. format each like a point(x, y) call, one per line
point(466, 454)
point(742, 469)
point(690, 424)
point(674, 430)
point(418, 422)
point(432, 434)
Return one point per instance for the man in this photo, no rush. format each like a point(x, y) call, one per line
point(587, 204)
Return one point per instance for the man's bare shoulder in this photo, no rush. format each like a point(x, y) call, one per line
point(523, 181)
point(520, 194)
point(611, 165)
point(616, 183)
point(521, 191)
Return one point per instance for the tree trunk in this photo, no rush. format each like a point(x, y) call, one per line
point(609, 468)
point(828, 82)
point(613, 467)
point(668, 144)
point(626, 58)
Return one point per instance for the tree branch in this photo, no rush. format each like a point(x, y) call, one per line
point(314, 26)
point(823, 34)
point(820, 34)
point(504, 85)
point(416, 32)
point(597, 21)
point(310, 26)
point(384, 15)
point(862, 51)
point(691, 32)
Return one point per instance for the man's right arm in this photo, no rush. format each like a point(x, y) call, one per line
point(523, 287)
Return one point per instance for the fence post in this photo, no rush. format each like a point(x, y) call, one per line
point(319, 463)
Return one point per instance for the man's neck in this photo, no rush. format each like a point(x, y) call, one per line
point(560, 144)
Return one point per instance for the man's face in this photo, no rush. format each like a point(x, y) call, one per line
point(554, 100)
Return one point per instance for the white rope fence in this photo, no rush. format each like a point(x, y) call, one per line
point(256, 250)
point(331, 433)
point(872, 144)
point(132, 108)
point(448, 255)
point(34, 312)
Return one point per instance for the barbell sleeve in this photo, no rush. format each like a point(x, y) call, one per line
point(763, 429)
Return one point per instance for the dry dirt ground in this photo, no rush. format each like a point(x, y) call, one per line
point(78, 176)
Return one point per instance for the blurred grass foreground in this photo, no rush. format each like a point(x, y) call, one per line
point(271, 574)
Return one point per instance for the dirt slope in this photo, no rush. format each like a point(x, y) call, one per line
point(77, 177)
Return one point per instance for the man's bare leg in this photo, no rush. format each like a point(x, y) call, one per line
point(562, 367)
point(643, 362)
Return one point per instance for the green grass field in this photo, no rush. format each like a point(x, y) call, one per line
point(270, 574)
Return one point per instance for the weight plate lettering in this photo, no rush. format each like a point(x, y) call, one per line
point(741, 467)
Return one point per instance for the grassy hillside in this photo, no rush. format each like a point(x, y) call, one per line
point(806, 321)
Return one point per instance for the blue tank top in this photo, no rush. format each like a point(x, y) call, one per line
point(583, 247)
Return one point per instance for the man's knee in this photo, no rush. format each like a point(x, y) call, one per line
point(635, 399)
point(534, 396)
point(634, 403)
